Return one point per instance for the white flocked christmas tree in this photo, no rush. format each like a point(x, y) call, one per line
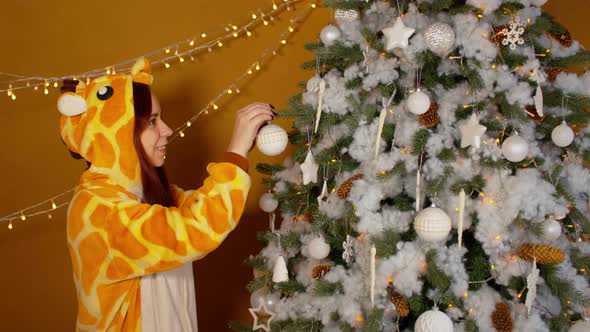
point(441, 184)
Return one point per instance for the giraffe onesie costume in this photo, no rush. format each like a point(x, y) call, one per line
point(121, 248)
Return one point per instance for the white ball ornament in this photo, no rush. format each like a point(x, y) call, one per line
point(272, 140)
point(440, 38)
point(418, 102)
point(268, 202)
point(515, 148)
point(432, 224)
point(551, 229)
point(581, 326)
point(562, 135)
point(329, 34)
point(433, 321)
point(318, 248)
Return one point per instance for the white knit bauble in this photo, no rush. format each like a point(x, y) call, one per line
point(329, 34)
point(562, 135)
point(515, 148)
point(433, 321)
point(551, 229)
point(272, 140)
point(418, 102)
point(268, 202)
point(581, 326)
point(440, 38)
point(318, 248)
point(432, 224)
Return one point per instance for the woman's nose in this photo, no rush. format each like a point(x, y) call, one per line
point(165, 130)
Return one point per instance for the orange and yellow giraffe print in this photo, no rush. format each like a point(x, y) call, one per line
point(113, 239)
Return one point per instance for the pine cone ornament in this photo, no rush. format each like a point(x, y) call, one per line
point(563, 37)
point(430, 119)
point(531, 111)
point(344, 189)
point(401, 304)
point(320, 270)
point(501, 318)
point(498, 36)
point(552, 73)
point(545, 254)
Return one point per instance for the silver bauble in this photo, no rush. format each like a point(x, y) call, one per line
point(562, 135)
point(418, 102)
point(329, 34)
point(551, 229)
point(581, 326)
point(318, 248)
point(440, 38)
point(432, 224)
point(268, 202)
point(272, 140)
point(433, 321)
point(349, 15)
point(515, 148)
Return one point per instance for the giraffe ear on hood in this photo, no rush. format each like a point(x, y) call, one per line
point(71, 102)
point(142, 72)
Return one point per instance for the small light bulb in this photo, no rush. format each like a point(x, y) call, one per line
point(257, 66)
point(167, 50)
point(181, 59)
point(249, 71)
point(55, 84)
point(498, 237)
point(10, 225)
point(203, 35)
point(470, 310)
point(181, 134)
point(46, 91)
point(313, 5)
point(192, 43)
point(291, 29)
point(493, 267)
point(13, 96)
point(234, 27)
point(236, 34)
point(35, 88)
point(22, 217)
point(457, 209)
point(166, 64)
point(450, 305)
point(237, 90)
point(229, 91)
point(283, 42)
point(108, 71)
point(219, 43)
point(215, 107)
point(53, 206)
point(49, 216)
point(265, 22)
point(188, 124)
point(192, 58)
point(274, 6)
point(209, 49)
point(248, 33)
point(254, 16)
point(466, 294)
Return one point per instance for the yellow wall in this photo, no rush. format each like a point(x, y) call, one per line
point(42, 38)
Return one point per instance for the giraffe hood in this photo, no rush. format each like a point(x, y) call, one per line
point(98, 122)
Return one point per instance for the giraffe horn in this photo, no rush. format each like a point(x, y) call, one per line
point(142, 72)
point(71, 103)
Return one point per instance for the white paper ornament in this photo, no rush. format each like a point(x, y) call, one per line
point(348, 15)
point(515, 148)
point(551, 229)
point(279, 271)
point(397, 35)
point(318, 248)
point(433, 321)
point(440, 38)
point(418, 102)
point(329, 34)
point(581, 326)
point(268, 203)
point(562, 135)
point(471, 132)
point(272, 140)
point(432, 224)
point(309, 168)
point(348, 246)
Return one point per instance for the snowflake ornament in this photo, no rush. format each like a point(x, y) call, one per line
point(514, 34)
point(348, 253)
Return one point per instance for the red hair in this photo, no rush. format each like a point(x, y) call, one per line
point(156, 189)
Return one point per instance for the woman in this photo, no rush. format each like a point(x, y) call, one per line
point(131, 236)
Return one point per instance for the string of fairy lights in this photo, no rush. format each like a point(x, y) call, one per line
point(230, 90)
point(177, 52)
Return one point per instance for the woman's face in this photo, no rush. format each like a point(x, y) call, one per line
point(154, 137)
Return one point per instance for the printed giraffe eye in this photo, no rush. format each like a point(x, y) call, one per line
point(104, 93)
